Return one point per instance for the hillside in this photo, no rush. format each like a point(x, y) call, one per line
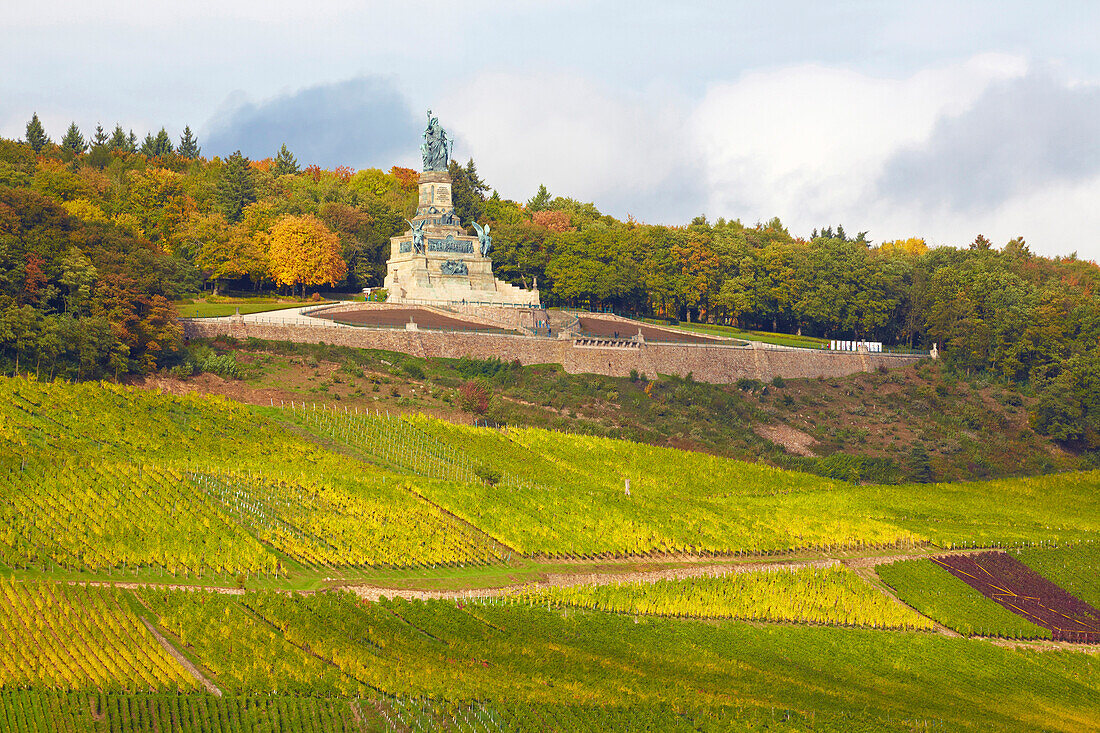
point(923, 423)
point(563, 600)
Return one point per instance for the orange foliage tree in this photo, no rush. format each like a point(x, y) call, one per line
point(303, 251)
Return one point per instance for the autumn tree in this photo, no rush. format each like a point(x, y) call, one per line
point(303, 251)
point(36, 136)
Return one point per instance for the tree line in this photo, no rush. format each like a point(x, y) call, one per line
point(235, 222)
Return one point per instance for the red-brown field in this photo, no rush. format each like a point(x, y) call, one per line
point(1023, 591)
point(398, 317)
point(614, 328)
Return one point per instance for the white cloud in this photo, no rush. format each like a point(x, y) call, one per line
point(580, 139)
point(804, 143)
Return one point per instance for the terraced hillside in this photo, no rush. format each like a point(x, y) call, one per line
point(769, 616)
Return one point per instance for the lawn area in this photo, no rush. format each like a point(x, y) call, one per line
point(204, 309)
point(767, 337)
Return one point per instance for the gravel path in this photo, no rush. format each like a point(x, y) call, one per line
point(184, 661)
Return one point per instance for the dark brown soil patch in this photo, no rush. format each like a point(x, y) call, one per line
point(605, 328)
point(1021, 590)
point(398, 317)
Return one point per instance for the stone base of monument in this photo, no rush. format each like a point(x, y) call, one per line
point(437, 263)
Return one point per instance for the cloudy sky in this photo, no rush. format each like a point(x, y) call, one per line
point(933, 119)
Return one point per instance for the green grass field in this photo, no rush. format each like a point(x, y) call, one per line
point(941, 596)
point(204, 309)
point(767, 337)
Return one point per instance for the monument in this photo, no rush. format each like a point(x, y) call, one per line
point(435, 261)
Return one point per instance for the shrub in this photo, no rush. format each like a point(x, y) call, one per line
point(412, 369)
point(489, 475)
point(749, 385)
point(778, 382)
point(474, 397)
point(633, 375)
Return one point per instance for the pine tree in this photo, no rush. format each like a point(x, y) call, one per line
point(100, 137)
point(236, 189)
point(131, 143)
point(467, 195)
point(540, 201)
point(36, 136)
point(149, 146)
point(285, 163)
point(73, 140)
point(189, 146)
point(118, 143)
point(163, 143)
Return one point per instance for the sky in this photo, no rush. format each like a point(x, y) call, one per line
point(939, 120)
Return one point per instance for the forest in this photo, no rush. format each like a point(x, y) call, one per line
point(98, 235)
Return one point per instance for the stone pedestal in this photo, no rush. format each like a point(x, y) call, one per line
point(449, 267)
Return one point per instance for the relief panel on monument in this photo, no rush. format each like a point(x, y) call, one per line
point(454, 267)
point(405, 247)
point(450, 244)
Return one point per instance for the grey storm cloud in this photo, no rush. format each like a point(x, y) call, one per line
point(1017, 137)
point(362, 122)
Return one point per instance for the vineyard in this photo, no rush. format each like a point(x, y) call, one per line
point(1020, 589)
point(193, 486)
point(939, 595)
point(408, 659)
point(74, 637)
point(833, 595)
point(1075, 568)
point(24, 711)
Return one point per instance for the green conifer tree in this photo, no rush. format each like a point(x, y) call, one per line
point(117, 143)
point(149, 146)
point(100, 138)
point(540, 201)
point(36, 136)
point(131, 143)
point(285, 163)
point(189, 146)
point(163, 144)
point(73, 140)
point(236, 188)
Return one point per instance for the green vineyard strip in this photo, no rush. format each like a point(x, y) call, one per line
point(31, 711)
point(1076, 568)
point(509, 651)
point(833, 595)
point(940, 595)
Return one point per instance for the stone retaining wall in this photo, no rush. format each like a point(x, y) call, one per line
point(719, 364)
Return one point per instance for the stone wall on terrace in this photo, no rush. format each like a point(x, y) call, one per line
point(719, 364)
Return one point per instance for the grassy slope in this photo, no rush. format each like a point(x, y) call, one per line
point(862, 427)
point(1075, 567)
point(938, 594)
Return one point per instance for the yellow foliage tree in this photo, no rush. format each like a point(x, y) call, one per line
point(912, 246)
point(303, 251)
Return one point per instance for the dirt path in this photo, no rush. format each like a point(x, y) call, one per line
point(869, 575)
point(183, 661)
point(553, 580)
